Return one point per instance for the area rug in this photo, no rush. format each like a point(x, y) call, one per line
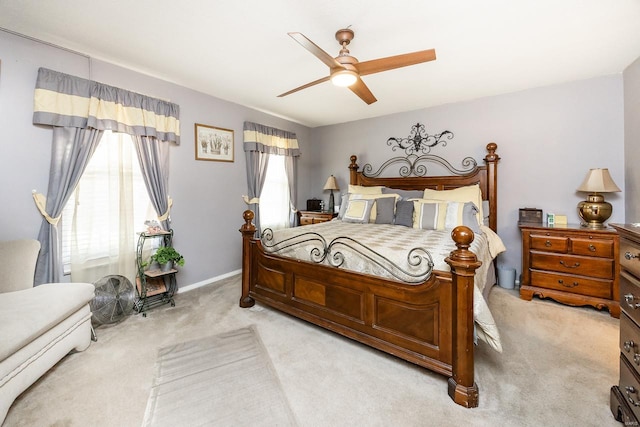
point(222, 380)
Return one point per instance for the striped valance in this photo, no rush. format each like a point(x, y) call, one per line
point(270, 140)
point(69, 101)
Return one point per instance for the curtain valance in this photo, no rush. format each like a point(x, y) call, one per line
point(265, 139)
point(68, 101)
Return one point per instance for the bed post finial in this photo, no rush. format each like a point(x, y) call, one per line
point(248, 230)
point(491, 148)
point(353, 170)
point(462, 387)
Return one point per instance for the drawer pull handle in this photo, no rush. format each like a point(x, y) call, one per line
point(572, 285)
point(629, 298)
point(631, 390)
point(547, 244)
point(592, 248)
point(636, 358)
point(629, 256)
point(628, 345)
point(575, 265)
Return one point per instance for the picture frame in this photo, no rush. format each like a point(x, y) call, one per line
point(213, 143)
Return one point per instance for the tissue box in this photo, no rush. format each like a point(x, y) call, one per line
point(561, 220)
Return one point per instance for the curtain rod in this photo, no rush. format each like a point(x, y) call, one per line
point(24, 36)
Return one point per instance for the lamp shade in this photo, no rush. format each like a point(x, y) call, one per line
point(331, 183)
point(598, 181)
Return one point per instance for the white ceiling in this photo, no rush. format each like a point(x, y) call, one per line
point(240, 51)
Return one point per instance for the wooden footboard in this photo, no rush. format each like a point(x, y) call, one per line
point(429, 324)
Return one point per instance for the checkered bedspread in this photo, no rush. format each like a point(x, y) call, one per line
point(393, 242)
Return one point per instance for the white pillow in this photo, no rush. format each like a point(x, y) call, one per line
point(361, 189)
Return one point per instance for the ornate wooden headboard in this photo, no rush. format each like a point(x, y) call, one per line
point(486, 176)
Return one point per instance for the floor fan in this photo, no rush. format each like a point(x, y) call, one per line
point(114, 300)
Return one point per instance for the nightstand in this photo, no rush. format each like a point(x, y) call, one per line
point(315, 217)
point(571, 264)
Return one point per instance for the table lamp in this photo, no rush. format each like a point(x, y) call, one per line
point(595, 211)
point(331, 185)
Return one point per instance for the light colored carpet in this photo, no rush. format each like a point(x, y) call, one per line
point(207, 381)
point(557, 367)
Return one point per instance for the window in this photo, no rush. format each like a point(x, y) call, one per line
point(274, 199)
point(100, 220)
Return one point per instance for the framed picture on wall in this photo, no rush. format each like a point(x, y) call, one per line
point(213, 143)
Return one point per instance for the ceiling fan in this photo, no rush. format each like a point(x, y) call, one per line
point(345, 70)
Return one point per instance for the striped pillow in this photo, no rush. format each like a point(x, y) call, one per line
point(470, 193)
point(444, 215)
point(374, 209)
point(429, 215)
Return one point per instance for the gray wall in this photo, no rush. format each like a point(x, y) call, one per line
point(207, 210)
point(632, 141)
point(548, 138)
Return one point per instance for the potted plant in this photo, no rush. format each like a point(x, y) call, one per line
point(167, 256)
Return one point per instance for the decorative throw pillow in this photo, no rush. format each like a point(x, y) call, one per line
point(404, 213)
point(446, 216)
point(429, 215)
point(469, 193)
point(385, 209)
point(358, 211)
point(374, 209)
point(462, 214)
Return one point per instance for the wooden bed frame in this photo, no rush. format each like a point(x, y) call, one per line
point(429, 324)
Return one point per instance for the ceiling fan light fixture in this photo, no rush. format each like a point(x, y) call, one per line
point(344, 78)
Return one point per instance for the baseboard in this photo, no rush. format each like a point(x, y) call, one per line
point(207, 282)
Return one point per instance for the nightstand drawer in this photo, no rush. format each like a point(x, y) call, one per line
point(550, 243)
point(630, 341)
point(630, 386)
point(577, 285)
point(306, 220)
point(592, 247)
point(629, 254)
point(569, 264)
point(630, 295)
point(314, 217)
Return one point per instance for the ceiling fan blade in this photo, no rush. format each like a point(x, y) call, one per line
point(316, 50)
point(313, 83)
point(398, 61)
point(361, 89)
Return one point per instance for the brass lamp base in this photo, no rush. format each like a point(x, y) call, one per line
point(594, 211)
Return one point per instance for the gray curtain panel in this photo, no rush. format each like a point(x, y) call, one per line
point(153, 156)
point(257, 163)
point(291, 165)
point(70, 153)
point(79, 111)
point(260, 141)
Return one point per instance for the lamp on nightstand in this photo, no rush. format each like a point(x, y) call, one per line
point(331, 185)
point(595, 211)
